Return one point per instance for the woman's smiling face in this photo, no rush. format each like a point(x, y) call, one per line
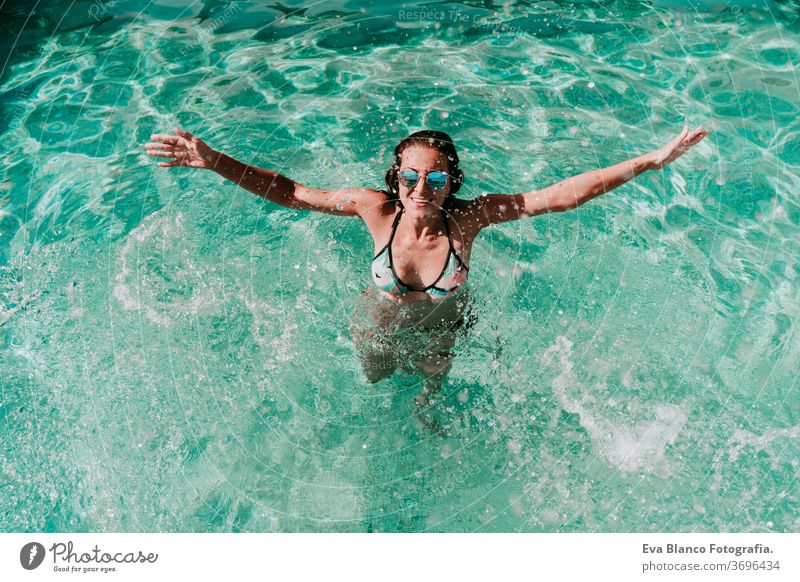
point(421, 199)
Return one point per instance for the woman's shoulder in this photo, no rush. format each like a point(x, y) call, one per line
point(465, 214)
point(375, 207)
point(377, 202)
point(459, 208)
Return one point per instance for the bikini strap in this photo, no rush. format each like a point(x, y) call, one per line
point(391, 236)
point(395, 223)
point(447, 230)
point(450, 240)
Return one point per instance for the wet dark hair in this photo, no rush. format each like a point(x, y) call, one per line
point(429, 138)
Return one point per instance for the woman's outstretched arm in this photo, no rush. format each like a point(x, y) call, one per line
point(187, 150)
point(572, 192)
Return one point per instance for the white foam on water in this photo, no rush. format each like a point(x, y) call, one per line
point(742, 438)
point(326, 499)
point(780, 43)
point(638, 446)
point(22, 302)
point(122, 291)
point(132, 284)
point(267, 320)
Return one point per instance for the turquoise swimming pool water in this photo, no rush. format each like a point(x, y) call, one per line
point(174, 351)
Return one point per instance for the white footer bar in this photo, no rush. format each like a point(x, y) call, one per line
point(387, 557)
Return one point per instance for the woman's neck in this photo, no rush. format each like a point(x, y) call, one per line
point(424, 225)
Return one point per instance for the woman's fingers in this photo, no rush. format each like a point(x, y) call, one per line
point(676, 141)
point(683, 133)
point(182, 163)
point(678, 146)
point(179, 161)
point(679, 138)
point(159, 146)
point(685, 138)
point(153, 151)
point(174, 148)
point(695, 137)
point(701, 133)
point(166, 138)
point(695, 133)
point(161, 154)
point(694, 140)
point(183, 134)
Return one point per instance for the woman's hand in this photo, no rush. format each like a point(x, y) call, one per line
point(677, 147)
point(184, 150)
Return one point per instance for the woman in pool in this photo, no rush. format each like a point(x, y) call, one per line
point(423, 234)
